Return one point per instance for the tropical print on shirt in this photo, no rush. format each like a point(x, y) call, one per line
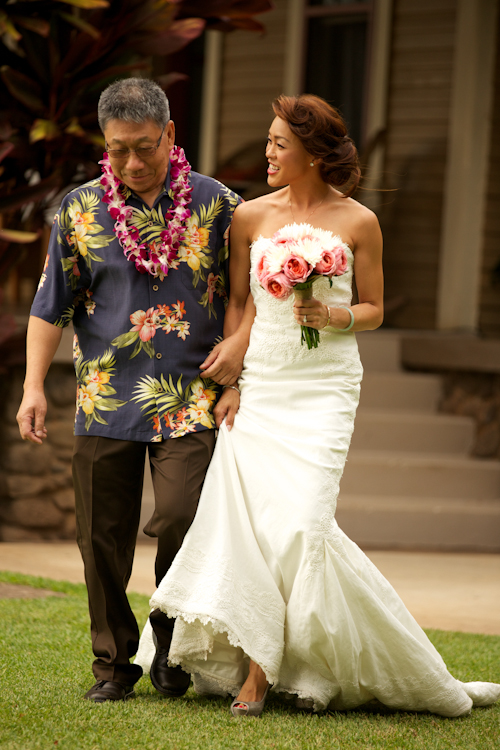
point(139, 341)
point(147, 322)
point(181, 409)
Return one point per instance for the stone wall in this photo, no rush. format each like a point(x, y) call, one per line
point(36, 489)
point(476, 395)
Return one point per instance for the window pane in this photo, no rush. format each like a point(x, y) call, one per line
point(336, 66)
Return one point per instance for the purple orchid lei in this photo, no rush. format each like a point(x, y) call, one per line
point(154, 259)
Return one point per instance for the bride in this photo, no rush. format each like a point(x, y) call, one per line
point(266, 590)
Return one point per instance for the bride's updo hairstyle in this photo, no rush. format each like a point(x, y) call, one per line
point(323, 133)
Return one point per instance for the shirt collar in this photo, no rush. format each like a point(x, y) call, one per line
point(162, 194)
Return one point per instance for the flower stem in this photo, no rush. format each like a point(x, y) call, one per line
point(308, 335)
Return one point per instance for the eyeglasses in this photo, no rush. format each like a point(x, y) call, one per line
point(144, 152)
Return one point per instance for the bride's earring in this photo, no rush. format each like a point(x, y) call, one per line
point(311, 164)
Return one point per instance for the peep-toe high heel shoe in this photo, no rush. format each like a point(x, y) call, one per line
point(249, 708)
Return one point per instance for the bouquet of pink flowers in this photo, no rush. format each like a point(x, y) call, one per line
point(291, 261)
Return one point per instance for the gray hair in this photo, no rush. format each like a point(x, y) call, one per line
point(133, 100)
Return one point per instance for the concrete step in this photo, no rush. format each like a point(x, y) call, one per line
point(392, 474)
point(423, 523)
point(397, 430)
point(380, 350)
point(400, 390)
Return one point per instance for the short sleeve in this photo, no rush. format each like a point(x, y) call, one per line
point(63, 279)
point(231, 201)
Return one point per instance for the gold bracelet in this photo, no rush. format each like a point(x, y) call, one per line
point(234, 387)
point(329, 315)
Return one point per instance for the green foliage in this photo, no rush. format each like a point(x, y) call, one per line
point(57, 56)
point(46, 658)
point(161, 395)
point(126, 339)
point(93, 390)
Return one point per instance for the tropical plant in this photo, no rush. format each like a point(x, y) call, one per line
point(57, 57)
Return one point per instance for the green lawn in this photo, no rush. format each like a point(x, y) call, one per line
point(45, 669)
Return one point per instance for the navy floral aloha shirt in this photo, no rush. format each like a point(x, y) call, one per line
point(139, 341)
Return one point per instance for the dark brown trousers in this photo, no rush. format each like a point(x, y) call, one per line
point(108, 477)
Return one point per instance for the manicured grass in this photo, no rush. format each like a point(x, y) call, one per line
point(45, 669)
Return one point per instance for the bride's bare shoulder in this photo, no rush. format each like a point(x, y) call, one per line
point(362, 222)
point(359, 213)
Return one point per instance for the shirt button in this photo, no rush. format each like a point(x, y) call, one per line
point(158, 355)
point(155, 287)
point(150, 223)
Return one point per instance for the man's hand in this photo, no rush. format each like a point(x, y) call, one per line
point(226, 407)
point(225, 361)
point(41, 344)
point(31, 417)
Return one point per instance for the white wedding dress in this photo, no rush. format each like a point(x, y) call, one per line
point(265, 572)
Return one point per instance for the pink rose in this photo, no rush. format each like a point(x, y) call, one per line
point(262, 269)
point(296, 269)
point(340, 260)
point(278, 239)
point(327, 264)
point(277, 285)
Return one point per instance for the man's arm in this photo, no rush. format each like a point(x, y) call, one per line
point(41, 344)
point(225, 361)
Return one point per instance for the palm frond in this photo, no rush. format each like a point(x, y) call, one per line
point(147, 389)
point(209, 213)
point(89, 200)
point(80, 368)
point(106, 363)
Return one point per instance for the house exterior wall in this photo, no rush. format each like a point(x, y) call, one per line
point(489, 306)
point(252, 76)
point(421, 71)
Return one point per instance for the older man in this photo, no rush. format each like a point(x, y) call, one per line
point(137, 261)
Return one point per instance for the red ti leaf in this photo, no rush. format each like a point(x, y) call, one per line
point(173, 38)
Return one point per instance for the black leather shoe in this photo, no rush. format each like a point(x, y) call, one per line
point(105, 690)
point(170, 681)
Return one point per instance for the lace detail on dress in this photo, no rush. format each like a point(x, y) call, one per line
point(427, 692)
point(409, 693)
point(232, 600)
point(316, 542)
point(204, 684)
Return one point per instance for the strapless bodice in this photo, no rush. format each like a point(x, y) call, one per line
point(276, 334)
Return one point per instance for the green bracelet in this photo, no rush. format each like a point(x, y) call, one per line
point(344, 330)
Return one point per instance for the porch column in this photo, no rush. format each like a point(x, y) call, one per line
point(467, 165)
point(294, 49)
point(210, 104)
point(376, 100)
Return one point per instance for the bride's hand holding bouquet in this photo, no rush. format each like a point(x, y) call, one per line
point(291, 261)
